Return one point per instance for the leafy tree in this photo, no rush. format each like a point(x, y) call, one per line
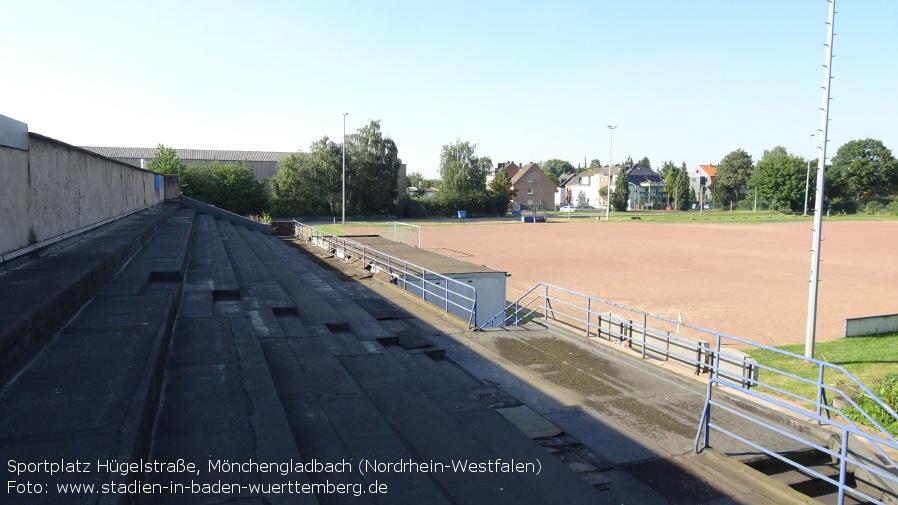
point(668, 174)
point(603, 194)
point(682, 188)
point(676, 182)
point(501, 191)
point(780, 177)
point(557, 168)
point(593, 164)
point(733, 173)
point(645, 163)
point(416, 179)
point(463, 175)
point(372, 171)
point(621, 193)
point(309, 184)
point(227, 186)
point(861, 165)
point(166, 161)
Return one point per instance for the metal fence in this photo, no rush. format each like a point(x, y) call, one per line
point(453, 296)
point(719, 356)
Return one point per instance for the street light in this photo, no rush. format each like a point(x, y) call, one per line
point(610, 164)
point(807, 180)
point(343, 207)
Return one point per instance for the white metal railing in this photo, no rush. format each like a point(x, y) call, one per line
point(715, 353)
point(451, 295)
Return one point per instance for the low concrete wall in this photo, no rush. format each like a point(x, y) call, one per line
point(871, 325)
point(53, 190)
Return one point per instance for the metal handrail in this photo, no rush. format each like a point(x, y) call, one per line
point(543, 300)
point(406, 274)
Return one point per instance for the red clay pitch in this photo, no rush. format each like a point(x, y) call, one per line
point(746, 280)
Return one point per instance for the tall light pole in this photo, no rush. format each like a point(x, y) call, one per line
point(821, 175)
point(610, 164)
point(807, 180)
point(343, 206)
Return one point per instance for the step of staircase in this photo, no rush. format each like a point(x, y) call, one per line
point(38, 296)
point(90, 394)
point(219, 406)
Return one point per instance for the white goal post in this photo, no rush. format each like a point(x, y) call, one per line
point(405, 233)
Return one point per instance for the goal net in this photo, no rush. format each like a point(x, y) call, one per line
point(404, 233)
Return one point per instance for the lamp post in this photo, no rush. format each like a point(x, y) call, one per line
point(807, 180)
point(610, 164)
point(343, 206)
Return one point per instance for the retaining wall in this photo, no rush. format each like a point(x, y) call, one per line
point(871, 325)
point(50, 190)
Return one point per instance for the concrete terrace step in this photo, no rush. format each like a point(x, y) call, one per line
point(219, 404)
point(37, 297)
point(350, 398)
point(91, 394)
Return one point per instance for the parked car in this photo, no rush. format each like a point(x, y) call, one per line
point(567, 208)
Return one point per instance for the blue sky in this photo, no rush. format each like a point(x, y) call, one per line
point(686, 80)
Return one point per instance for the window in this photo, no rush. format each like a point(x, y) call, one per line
point(529, 178)
point(529, 191)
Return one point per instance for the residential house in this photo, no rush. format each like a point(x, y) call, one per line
point(535, 189)
point(583, 189)
point(510, 167)
point(563, 194)
point(700, 178)
point(646, 187)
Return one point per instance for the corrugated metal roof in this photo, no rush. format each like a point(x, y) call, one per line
point(190, 154)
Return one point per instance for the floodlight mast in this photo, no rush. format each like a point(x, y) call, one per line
point(821, 175)
point(343, 205)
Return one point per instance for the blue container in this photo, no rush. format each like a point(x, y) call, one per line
point(462, 214)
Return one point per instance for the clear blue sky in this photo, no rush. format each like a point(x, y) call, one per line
point(686, 80)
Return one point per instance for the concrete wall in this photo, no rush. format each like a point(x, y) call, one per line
point(871, 325)
point(53, 189)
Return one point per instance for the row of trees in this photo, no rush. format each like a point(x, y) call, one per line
point(312, 183)
point(305, 183)
point(463, 185)
point(861, 171)
point(232, 187)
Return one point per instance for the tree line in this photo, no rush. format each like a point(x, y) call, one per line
point(863, 175)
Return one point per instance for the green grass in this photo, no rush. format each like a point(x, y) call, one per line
point(869, 359)
point(711, 216)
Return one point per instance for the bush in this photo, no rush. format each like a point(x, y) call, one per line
point(844, 204)
point(893, 208)
point(873, 208)
point(887, 390)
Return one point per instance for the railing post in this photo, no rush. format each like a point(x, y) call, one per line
point(843, 465)
point(645, 323)
point(446, 284)
point(717, 357)
point(588, 314)
point(820, 393)
point(545, 299)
